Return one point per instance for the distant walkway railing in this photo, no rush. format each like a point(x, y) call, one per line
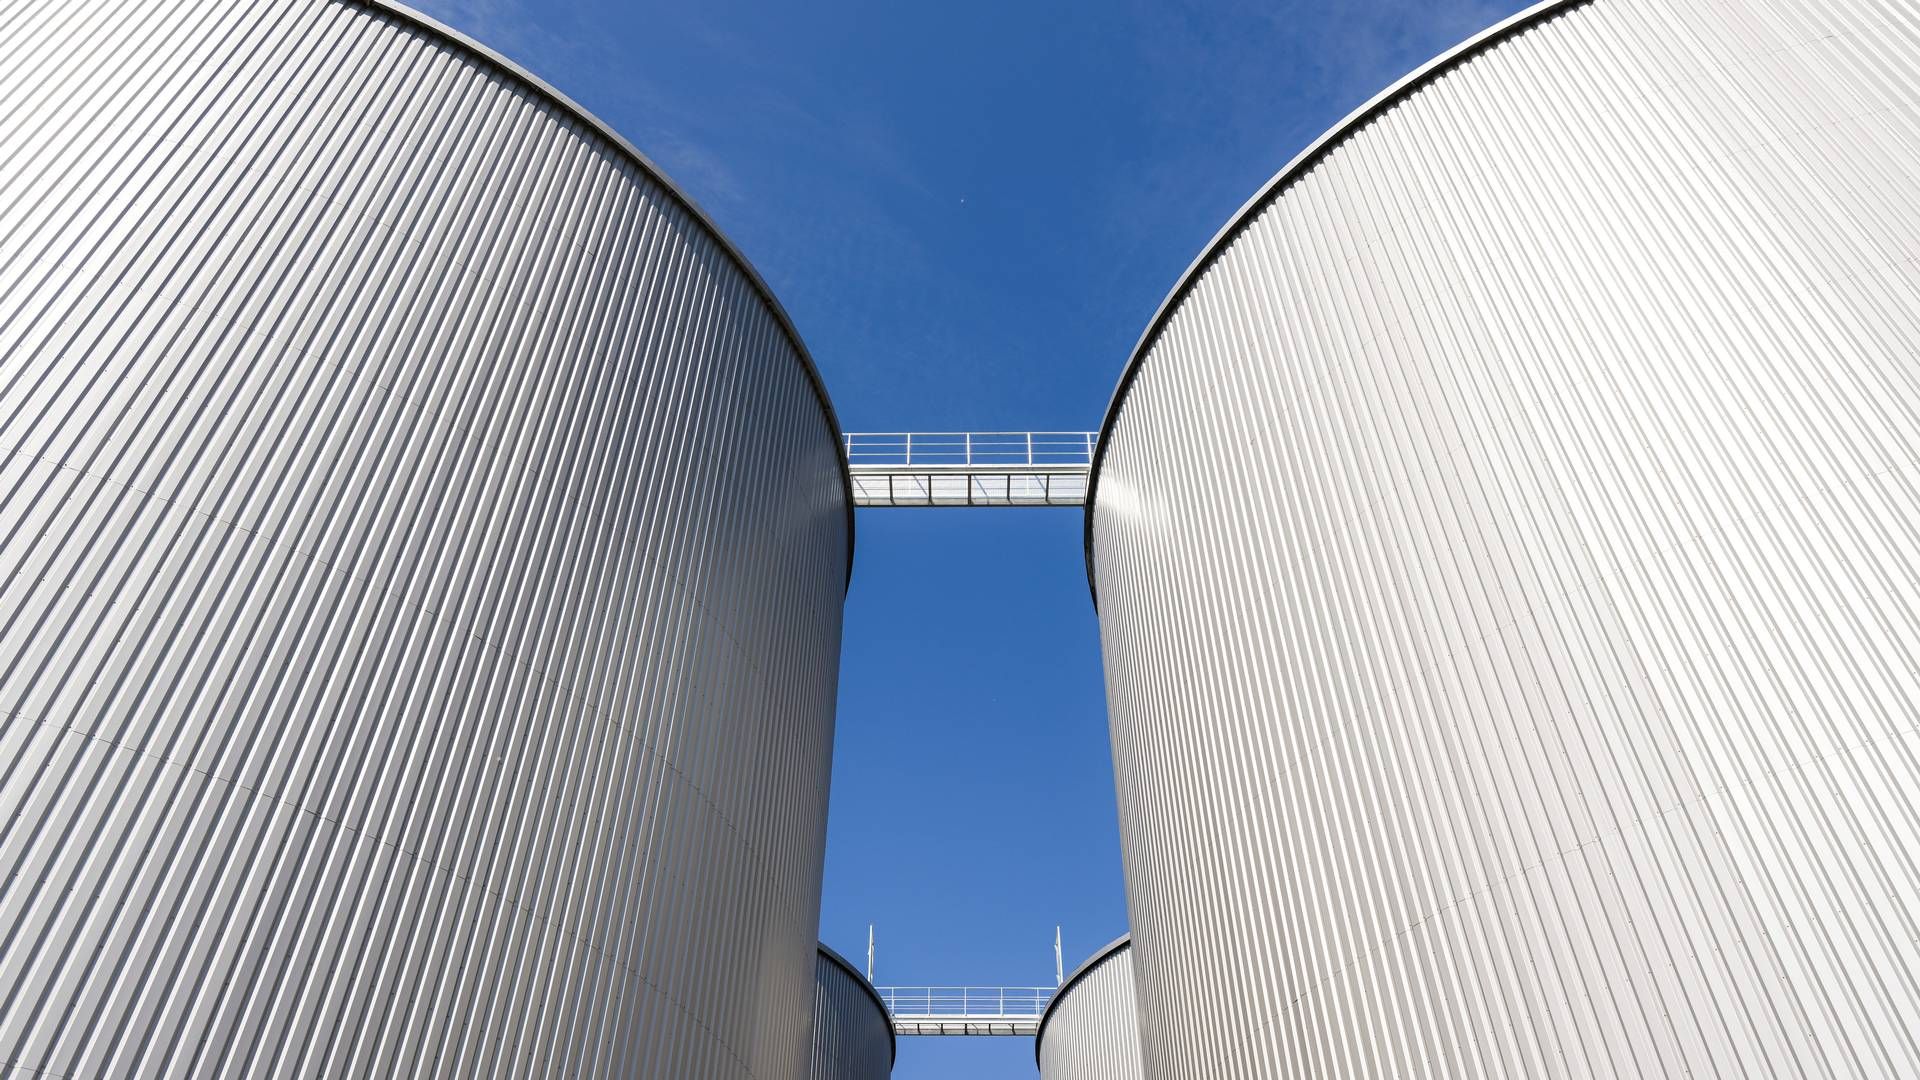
point(969, 468)
point(965, 1010)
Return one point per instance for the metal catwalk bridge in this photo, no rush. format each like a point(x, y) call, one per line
point(965, 1010)
point(968, 1010)
point(969, 468)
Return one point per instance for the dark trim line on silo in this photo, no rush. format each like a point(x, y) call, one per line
point(893, 1041)
point(1270, 191)
point(519, 73)
point(1124, 941)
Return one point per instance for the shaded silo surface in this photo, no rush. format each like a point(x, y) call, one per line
point(422, 548)
point(852, 1031)
point(1090, 1030)
point(1504, 542)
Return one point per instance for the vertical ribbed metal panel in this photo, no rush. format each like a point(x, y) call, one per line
point(1506, 555)
point(1091, 1030)
point(852, 1033)
point(421, 556)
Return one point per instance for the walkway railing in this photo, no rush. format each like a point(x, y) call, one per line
point(965, 1010)
point(969, 468)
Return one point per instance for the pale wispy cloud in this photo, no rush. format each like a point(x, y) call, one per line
point(510, 27)
point(553, 42)
point(761, 148)
point(1345, 52)
point(1241, 86)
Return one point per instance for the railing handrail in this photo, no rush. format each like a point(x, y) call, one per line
point(978, 1001)
point(960, 433)
point(997, 448)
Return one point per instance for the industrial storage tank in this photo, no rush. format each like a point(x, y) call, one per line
point(422, 547)
point(1504, 540)
point(1090, 1030)
point(852, 1031)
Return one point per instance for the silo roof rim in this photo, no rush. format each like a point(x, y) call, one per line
point(545, 89)
point(1124, 941)
point(1270, 191)
point(893, 1041)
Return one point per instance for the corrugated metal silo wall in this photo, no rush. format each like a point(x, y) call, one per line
point(852, 1034)
point(420, 572)
point(1506, 566)
point(1091, 1030)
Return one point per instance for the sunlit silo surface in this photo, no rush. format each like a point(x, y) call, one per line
point(1505, 542)
point(1091, 1027)
point(852, 1033)
point(422, 553)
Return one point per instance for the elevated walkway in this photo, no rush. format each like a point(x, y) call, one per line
point(969, 468)
point(965, 1010)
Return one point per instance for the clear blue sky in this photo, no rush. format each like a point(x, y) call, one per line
point(970, 210)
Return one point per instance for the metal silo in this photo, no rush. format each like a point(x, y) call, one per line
point(852, 1032)
point(1504, 540)
point(1090, 1030)
point(422, 550)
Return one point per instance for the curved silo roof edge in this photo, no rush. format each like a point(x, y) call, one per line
point(1271, 190)
point(519, 72)
point(893, 1041)
point(1124, 941)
